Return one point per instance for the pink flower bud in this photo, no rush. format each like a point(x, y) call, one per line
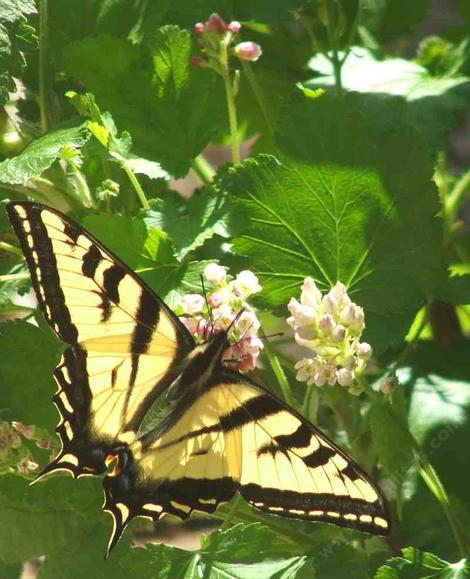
point(216, 24)
point(234, 27)
point(198, 28)
point(247, 363)
point(215, 300)
point(190, 323)
point(248, 51)
point(197, 61)
point(387, 386)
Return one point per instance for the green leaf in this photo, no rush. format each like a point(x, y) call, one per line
point(396, 92)
point(49, 517)
point(242, 552)
point(386, 424)
point(13, 13)
point(439, 418)
point(41, 153)
point(28, 387)
point(190, 223)
point(348, 205)
point(417, 564)
point(339, 560)
point(13, 10)
point(170, 109)
point(454, 289)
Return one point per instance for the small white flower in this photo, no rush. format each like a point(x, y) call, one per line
point(319, 377)
point(248, 322)
point(311, 295)
point(345, 377)
point(330, 373)
point(364, 351)
point(306, 369)
point(358, 323)
point(214, 273)
point(329, 303)
point(245, 284)
point(339, 295)
point(338, 334)
point(348, 315)
point(330, 326)
point(223, 316)
point(350, 363)
point(326, 324)
point(192, 303)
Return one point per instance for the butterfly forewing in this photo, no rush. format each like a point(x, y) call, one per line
point(125, 344)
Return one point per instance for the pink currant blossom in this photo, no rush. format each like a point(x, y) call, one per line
point(234, 27)
point(216, 24)
point(192, 303)
point(214, 273)
point(248, 51)
point(245, 284)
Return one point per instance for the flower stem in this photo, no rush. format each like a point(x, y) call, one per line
point(203, 170)
point(136, 185)
point(232, 117)
point(231, 108)
point(44, 66)
point(14, 277)
point(10, 248)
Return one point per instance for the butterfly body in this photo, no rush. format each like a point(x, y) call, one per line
point(223, 433)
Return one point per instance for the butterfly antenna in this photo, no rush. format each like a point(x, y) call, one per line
point(209, 309)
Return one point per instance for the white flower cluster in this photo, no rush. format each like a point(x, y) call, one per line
point(330, 326)
point(226, 299)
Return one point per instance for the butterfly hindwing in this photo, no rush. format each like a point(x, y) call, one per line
point(235, 436)
point(125, 345)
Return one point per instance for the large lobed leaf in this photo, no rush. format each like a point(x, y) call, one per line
point(170, 108)
point(417, 564)
point(345, 204)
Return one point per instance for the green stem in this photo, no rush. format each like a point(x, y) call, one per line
point(432, 480)
point(203, 170)
point(83, 190)
point(136, 185)
point(231, 108)
point(232, 117)
point(453, 199)
point(255, 87)
point(14, 277)
point(10, 248)
point(333, 42)
point(278, 371)
point(44, 66)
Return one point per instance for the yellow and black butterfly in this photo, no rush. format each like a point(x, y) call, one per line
point(223, 434)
